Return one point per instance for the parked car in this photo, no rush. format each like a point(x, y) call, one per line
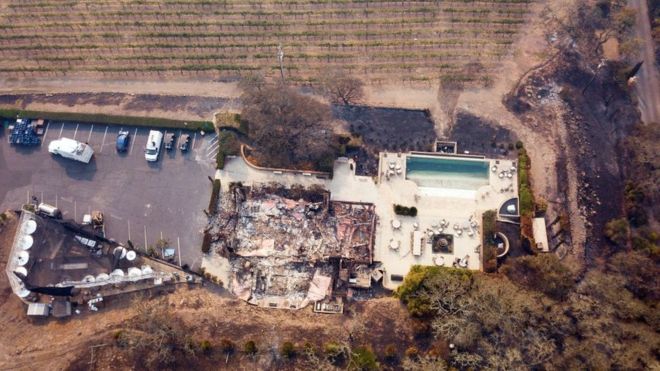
point(71, 149)
point(154, 142)
point(184, 142)
point(169, 141)
point(123, 139)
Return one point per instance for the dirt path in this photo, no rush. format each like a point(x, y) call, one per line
point(648, 83)
point(202, 88)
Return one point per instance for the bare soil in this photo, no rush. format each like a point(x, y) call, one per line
point(182, 107)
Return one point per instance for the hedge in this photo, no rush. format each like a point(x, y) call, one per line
point(108, 119)
point(488, 222)
point(228, 146)
point(215, 194)
point(206, 243)
point(526, 196)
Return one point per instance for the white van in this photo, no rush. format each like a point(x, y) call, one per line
point(72, 149)
point(152, 149)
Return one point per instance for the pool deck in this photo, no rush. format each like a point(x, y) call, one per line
point(456, 206)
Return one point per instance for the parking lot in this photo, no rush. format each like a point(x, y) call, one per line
point(143, 202)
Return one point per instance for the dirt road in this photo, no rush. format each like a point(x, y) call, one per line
point(648, 83)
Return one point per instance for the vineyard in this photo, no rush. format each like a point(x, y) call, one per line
point(380, 41)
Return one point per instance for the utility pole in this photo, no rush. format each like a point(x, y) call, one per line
point(280, 58)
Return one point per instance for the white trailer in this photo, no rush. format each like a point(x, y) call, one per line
point(72, 149)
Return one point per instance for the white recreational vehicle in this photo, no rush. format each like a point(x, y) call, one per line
point(152, 149)
point(72, 149)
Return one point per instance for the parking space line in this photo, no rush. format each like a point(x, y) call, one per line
point(145, 238)
point(193, 143)
point(178, 248)
point(211, 151)
point(89, 137)
point(42, 197)
point(129, 229)
point(28, 197)
point(103, 142)
point(75, 210)
point(43, 139)
point(56, 197)
point(213, 140)
point(213, 148)
point(75, 132)
point(133, 142)
point(61, 129)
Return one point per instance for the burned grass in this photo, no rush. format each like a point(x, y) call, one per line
point(385, 129)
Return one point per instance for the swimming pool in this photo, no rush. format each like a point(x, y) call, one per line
point(444, 172)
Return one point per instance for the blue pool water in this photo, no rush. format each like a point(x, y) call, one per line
point(443, 172)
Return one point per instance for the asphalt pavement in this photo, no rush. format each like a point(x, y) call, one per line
point(142, 202)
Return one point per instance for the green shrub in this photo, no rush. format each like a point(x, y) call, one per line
point(250, 347)
point(228, 145)
point(616, 230)
point(526, 197)
point(288, 350)
point(519, 145)
point(220, 160)
point(526, 200)
point(205, 346)
point(363, 359)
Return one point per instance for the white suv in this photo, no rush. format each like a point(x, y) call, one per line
point(152, 148)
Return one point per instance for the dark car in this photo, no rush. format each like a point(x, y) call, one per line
point(123, 139)
point(169, 141)
point(184, 142)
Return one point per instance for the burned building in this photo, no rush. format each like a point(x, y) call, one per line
point(290, 247)
point(63, 264)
